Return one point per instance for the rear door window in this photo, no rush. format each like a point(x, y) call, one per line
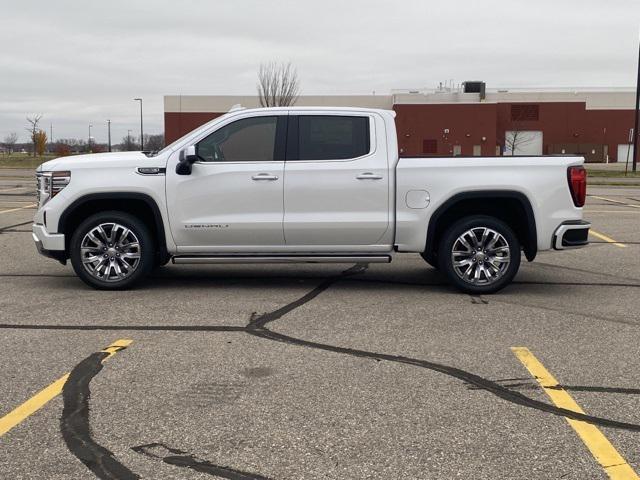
point(331, 137)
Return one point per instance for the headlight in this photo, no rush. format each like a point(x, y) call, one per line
point(49, 184)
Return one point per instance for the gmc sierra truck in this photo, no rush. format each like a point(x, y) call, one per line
point(319, 185)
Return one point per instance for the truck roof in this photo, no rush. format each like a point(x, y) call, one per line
point(306, 109)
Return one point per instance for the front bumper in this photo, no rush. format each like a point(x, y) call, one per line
point(571, 234)
point(50, 245)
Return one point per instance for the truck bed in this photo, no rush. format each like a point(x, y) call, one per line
point(541, 179)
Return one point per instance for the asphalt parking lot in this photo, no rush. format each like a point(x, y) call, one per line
point(323, 372)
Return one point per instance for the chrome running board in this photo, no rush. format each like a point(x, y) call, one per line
point(184, 259)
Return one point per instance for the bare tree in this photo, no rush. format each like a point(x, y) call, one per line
point(515, 140)
point(278, 84)
point(32, 128)
point(153, 143)
point(10, 141)
point(128, 144)
point(520, 133)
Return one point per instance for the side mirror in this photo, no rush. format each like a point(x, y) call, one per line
point(187, 158)
point(190, 154)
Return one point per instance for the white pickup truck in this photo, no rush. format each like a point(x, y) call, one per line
point(283, 185)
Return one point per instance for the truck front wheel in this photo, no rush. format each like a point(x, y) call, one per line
point(479, 254)
point(112, 250)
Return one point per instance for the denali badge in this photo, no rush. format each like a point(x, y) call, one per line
point(206, 225)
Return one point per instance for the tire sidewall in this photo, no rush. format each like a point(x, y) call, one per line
point(147, 257)
point(461, 226)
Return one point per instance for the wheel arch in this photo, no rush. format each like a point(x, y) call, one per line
point(512, 207)
point(140, 205)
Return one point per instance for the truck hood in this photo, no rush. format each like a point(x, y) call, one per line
point(103, 160)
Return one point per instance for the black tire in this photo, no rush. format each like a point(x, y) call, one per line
point(432, 261)
point(146, 250)
point(505, 277)
point(161, 261)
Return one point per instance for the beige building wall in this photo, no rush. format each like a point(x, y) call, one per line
point(222, 103)
point(595, 99)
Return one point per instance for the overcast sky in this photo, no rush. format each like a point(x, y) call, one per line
point(81, 62)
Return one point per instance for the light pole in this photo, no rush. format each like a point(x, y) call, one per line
point(109, 133)
point(635, 130)
point(141, 132)
point(89, 143)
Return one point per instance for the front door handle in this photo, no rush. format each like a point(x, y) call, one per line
point(369, 176)
point(264, 176)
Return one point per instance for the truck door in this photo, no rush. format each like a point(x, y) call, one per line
point(336, 188)
point(232, 200)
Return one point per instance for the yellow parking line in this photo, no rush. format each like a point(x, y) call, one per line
point(41, 398)
point(615, 201)
point(19, 208)
point(602, 450)
point(602, 236)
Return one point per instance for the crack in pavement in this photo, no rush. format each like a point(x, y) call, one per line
point(75, 418)
point(260, 322)
point(179, 458)
point(531, 384)
point(75, 427)
point(257, 327)
point(2, 229)
point(152, 328)
point(467, 377)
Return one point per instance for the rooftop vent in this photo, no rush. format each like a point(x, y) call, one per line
point(475, 87)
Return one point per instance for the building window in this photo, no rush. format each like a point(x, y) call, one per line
point(430, 147)
point(522, 112)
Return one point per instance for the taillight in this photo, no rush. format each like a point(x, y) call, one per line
point(577, 177)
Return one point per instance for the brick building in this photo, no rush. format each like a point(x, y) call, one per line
point(468, 120)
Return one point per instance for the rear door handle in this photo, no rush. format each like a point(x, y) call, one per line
point(264, 176)
point(369, 176)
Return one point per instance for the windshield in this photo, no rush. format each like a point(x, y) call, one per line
point(172, 146)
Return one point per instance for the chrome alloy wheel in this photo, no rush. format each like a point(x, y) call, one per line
point(480, 256)
point(110, 252)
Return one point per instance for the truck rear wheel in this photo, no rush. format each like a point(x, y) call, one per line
point(479, 254)
point(112, 250)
